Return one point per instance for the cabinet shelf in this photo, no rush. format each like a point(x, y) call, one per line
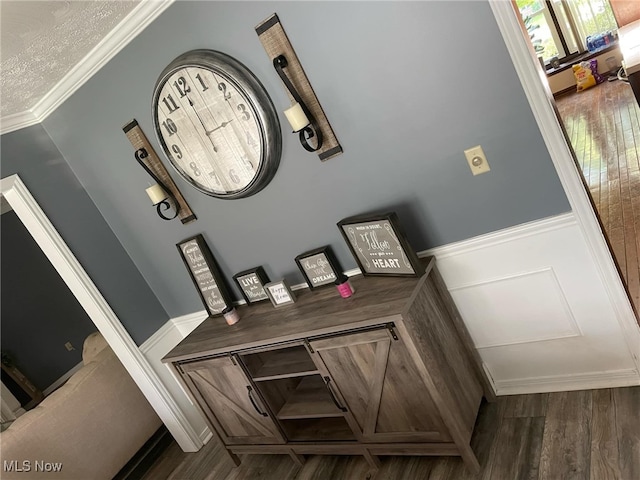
point(318, 430)
point(284, 363)
point(310, 399)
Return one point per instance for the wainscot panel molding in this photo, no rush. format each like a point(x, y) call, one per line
point(519, 317)
point(537, 309)
point(523, 300)
point(539, 96)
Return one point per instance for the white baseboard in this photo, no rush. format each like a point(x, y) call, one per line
point(59, 382)
point(566, 383)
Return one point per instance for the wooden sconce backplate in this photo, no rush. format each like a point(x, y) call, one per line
point(139, 141)
point(275, 42)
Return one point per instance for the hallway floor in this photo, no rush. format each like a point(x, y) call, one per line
point(603, 125)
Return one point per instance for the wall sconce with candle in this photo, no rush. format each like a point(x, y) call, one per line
point(164, 194)
point(158, 193)
point(299, 116)
point(305, 114)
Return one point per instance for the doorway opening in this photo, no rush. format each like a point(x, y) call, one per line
point(600, 123)
point(14, 191)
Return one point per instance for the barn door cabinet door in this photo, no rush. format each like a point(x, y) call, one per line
point(230, 401)
point(381, 387)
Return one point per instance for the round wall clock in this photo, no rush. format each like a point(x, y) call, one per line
point(217, 124)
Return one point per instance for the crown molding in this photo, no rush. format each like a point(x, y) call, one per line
point(14, 122)
point(133, 24)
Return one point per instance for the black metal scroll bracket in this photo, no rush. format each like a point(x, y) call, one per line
point(163, 205)
point(311, 130)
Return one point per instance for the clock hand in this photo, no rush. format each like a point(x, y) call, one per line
point(222, 125)
point(215, 149)
point(197, 115)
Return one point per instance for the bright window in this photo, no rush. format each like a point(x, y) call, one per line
point(592, 17)
point(561, 27)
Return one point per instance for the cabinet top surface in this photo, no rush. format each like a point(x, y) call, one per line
point(316, 312)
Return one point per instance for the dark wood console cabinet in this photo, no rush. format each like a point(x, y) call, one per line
point(390, 371)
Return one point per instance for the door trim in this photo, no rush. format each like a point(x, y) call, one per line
point(97, 308)
point(536, 88)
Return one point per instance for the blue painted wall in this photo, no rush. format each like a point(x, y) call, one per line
point(407, 87)
point(31, 154)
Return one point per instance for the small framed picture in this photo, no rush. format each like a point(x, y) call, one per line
point(205, 274)
point(251, 283)
point(319, 267)
point(280, 293)
point(379, 245)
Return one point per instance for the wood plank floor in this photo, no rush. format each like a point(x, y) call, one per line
point(584, 435)
point(603, 126)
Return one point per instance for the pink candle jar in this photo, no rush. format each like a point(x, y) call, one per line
point(344, 286)
point(231, 315)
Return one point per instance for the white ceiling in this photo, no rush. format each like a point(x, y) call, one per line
point(48, 49)
point(40, 42)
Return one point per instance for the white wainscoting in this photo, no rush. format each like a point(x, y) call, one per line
point(532, 300)
point(519, 316)
point(161, 343)
point(537, 309)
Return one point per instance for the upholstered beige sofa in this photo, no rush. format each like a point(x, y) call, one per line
point(89, 428)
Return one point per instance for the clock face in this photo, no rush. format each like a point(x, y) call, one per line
point(216, 124)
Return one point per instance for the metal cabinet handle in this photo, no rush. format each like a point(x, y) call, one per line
point(327, 381)
point(253, 402)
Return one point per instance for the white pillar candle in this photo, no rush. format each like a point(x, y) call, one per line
point(156, 194)
point(296, 117)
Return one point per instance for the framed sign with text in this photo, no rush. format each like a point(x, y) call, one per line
point(379, 245)
point(319, 267)
point(205, 274)
point(280, 293)
point(251, 283)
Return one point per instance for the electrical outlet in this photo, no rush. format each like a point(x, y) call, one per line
point(69, 347)
point(477, 160)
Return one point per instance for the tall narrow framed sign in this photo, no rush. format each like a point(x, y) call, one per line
point(205, 274)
